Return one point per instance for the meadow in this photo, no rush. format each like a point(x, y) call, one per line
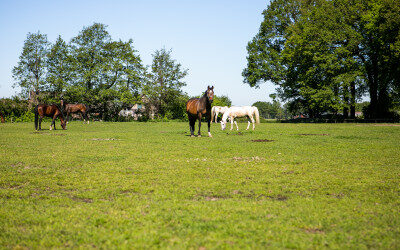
point(151, 185)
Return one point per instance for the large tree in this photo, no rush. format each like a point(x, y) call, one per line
point(30, 72)
point(60, 72)
point(165, 81)
point(323, 54)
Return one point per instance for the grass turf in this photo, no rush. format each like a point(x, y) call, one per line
point(150, 185)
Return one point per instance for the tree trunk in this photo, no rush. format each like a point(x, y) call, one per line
point(346, 103)
point(353, 100)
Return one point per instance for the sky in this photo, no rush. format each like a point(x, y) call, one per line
point(207, 37)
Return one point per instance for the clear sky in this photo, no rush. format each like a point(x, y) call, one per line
point(208, 37)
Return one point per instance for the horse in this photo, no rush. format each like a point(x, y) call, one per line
point(215, 112)
point(126, 113)
point(53, 111)
point(234, 112)
point(196, 108)
point(78, 108)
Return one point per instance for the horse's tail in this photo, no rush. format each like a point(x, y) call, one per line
point(36, 117)
point(257, 114)
point(212, 113)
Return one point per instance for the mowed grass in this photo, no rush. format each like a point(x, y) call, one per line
point(150, 185)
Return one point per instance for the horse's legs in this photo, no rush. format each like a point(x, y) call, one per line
point(237, 128)
point(67, 117)
point(216, 116)
point(192, 121)
point(53, 122)
point(86, 117)
point(248, 122)
point(209, 124)
point(40, 122)
point(199, 117)
point(252, 121)
point(232, 123)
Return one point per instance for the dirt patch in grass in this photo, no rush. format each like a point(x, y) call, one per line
point(262, 140)
point(313, 230)
point(248, 159)
point(336, 195)
point(238, 133)
point(314, 134)
point(85, 200)
point(277, 197)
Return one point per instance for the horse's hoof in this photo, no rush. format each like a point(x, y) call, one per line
point(192, 136)
point(199, 136)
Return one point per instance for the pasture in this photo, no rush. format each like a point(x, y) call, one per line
point(150, 185)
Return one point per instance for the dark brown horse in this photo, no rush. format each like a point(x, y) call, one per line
point(78, 108)
point(52, 111)
point(196, 108)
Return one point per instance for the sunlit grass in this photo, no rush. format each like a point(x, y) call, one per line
point(147, 185)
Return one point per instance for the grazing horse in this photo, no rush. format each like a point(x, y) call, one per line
point(215, 112)
point(234, 112)
point(78, 108)
point(196, 108)
point(53, 111)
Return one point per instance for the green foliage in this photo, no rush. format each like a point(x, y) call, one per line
point(163, 85)
point(16, 110)
point(269, 110)
point(147, 185)
point(30, 72)
point(221, 101)
point(326, 54)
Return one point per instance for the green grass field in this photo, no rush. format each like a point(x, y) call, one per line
point(150, 185)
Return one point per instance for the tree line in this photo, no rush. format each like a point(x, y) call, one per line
point(323, 56)
point(105, 74)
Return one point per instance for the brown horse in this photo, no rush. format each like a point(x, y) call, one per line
point(53, 111)
point(196, 108)
point(78, 108)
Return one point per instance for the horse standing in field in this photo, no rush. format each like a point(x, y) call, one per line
point(196, 108)
point(215, 112)
point(52, 111)
point(234, 112)
point(77, 108)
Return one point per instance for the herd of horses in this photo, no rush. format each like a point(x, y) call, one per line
point(54, 111)
point(196, 108)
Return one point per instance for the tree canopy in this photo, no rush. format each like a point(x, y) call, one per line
point(107, 75)
point(324, 55)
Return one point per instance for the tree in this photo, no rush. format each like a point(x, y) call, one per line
point(59, 68)
point(88, 52)
point(325, 54)
point(164, 80)
point(30, 72)
point(222, 101)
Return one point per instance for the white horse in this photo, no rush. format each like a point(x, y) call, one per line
point(126, 113)
point(234, 112)
point(216, 110)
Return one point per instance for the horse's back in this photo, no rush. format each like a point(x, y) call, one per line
point(191, 105)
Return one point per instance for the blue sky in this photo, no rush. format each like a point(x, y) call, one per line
point(207, 37)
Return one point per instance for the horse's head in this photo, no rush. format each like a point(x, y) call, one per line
point(223, 125)
point(210, 93)
point(64, 124)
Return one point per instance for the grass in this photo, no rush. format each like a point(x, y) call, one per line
point(150, 185)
